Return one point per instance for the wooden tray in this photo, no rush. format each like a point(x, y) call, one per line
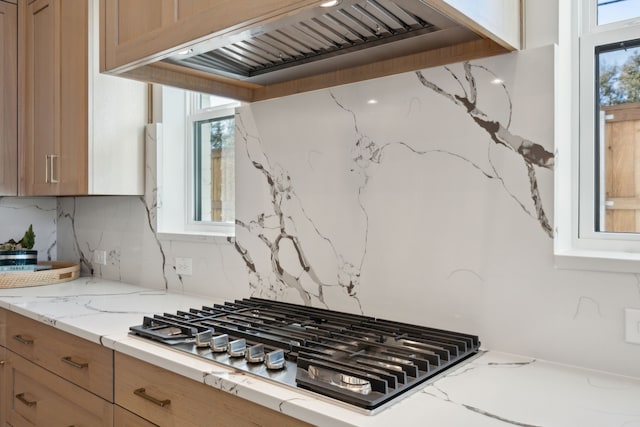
point(61, 271)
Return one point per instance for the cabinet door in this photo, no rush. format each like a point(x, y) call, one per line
point(53, 50)
point(8, 99)
point(37, 397)
point(3, 398)
point(39, 140)
point(166, 398)
point(138, 30)
point(74, 98)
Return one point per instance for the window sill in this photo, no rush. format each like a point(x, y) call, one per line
point(592, 260)
point(199, 236)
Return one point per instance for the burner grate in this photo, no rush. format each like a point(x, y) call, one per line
point(361, 360)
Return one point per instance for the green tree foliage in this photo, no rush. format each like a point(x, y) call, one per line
point(620, 84)
point(222, 133)
point(609, 95)
point(630, 78)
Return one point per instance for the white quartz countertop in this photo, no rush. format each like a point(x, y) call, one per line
point(493, 389)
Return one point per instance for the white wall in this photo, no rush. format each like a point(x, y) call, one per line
point(542, 22)
point(406, 209)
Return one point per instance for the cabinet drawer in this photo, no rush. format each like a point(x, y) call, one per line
point(37, 397)
point(84, 363)
point(124, 418)
point(169, 399)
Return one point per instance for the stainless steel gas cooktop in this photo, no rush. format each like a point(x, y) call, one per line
point(360, 360)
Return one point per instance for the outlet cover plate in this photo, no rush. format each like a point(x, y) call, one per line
point(632, 325)
point(100, 257)
point(184, 266)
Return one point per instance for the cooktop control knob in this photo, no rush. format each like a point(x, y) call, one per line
point(219, 343)
point(203, 338)
point(255, 354)
point(237, 348)
point(275, 360)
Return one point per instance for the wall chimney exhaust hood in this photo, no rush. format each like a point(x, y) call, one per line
point(319, 47)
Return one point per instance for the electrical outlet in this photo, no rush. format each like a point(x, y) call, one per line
point(100, 257)
point(632, 325)
point(184, 266)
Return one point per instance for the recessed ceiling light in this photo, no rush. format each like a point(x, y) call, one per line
point(497, 81)
point(185, 52)
point(330, 3)
point(372, 101)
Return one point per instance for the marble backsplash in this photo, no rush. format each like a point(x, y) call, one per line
point(422, 197)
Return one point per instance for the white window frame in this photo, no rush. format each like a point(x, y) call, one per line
point(174, 177)
point(577, 244)
point(194, 115)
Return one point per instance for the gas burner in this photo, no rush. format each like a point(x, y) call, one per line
point(356, 359)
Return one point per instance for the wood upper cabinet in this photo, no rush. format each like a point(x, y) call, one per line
point(138, 35)
point(81, 133)
point(143, 30)
point(8, 99)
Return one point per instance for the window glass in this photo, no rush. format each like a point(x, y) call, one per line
point(214, 180)
point(618, 137)
point(610, 11)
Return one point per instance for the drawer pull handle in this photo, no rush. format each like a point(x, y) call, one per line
point(21, 398)
point(70, 361)
point(142, 393)
point(23, 340)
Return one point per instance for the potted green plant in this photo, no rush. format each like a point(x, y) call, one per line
point(19, 255)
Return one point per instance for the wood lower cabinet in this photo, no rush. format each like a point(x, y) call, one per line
point(169, 399)
point(124, 418)
point(80, 133)
point(37, 397)
point(82, 362)
point(8, 99)
point(3, 352)
point(3, 400)
point(50, 378)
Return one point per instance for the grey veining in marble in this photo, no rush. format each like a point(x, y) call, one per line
point(278, 232)
point(424, 197)
point(533, 154)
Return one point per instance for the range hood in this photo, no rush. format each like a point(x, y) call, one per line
point(323, 39)
point(296, 45)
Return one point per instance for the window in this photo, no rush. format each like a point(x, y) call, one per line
point(602, 221)
point(195, 163)
point(212, 125)
point(609, 11)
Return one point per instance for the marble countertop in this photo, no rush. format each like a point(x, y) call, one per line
point(493, 389)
